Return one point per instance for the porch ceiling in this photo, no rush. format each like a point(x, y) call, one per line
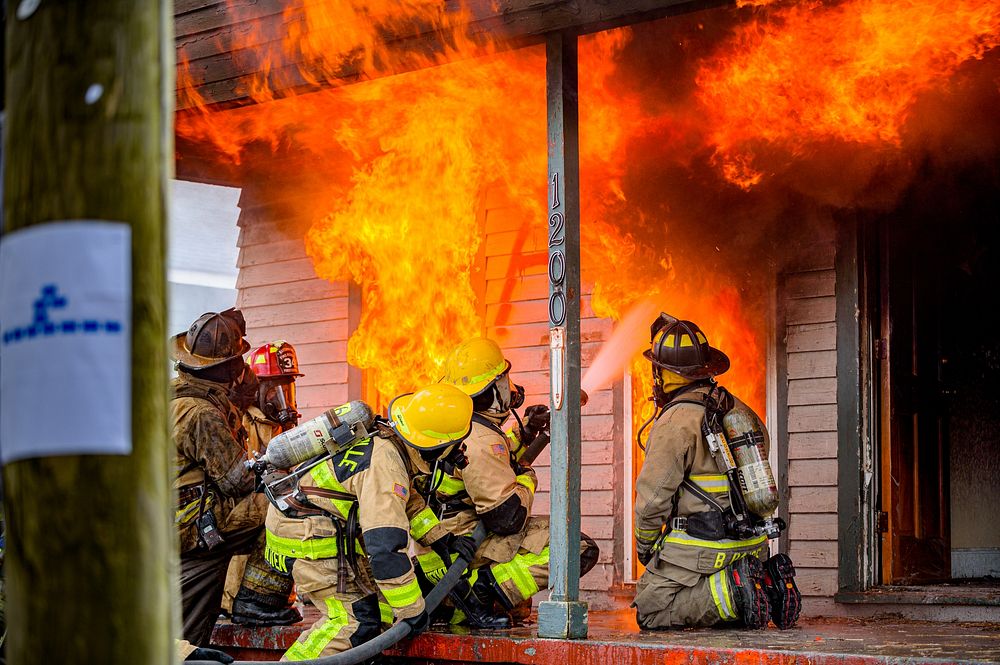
point(206, 31)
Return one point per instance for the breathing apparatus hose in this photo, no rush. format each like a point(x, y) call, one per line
point(399, 630)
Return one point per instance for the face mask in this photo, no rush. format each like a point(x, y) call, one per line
point(517, 397)
point(277, 401)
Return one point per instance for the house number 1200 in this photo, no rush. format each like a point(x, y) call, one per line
point(557, 258)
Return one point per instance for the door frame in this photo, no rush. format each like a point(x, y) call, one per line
point(858, 404)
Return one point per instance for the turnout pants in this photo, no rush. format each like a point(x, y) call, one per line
point(519, 563)
point(662, 602)
point(234, 578)
point(346, 619)
point(203, 572)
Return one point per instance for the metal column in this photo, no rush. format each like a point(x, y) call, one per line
point(563, 615)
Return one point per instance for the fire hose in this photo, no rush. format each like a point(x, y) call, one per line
point(399, 630)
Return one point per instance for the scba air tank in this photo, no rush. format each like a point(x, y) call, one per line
point(746, 441)
point(326, 433)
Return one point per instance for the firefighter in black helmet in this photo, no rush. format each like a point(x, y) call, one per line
point(701, 548)
point(218, 512)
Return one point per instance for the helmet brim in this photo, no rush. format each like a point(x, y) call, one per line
point(479, 387)
point(416, 439)
point(179, 352)
point(718, 363)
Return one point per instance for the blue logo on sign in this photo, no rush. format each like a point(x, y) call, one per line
point(43, 327)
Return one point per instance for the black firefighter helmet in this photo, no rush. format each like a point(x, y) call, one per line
point(681, 347)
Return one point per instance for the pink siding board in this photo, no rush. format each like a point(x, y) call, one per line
point(812, 445)
point(812, 418)
point(323, 374)
point(321, 352)
point(812, 337)
point(811, 310)
point(275, 273)
point(813, 553)
point(808, 526)
point(810, 341)
point(807, 499)
point(812, 472)
point(803, 392)
point(591, 478)
point(810, 284)
point(303, 333)
point(291, 292)
point(277, 250)
point(812, 365)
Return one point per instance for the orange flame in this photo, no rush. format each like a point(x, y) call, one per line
point(850, 72)
point(419, 149)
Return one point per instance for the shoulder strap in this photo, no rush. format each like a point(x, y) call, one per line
point(676, 402)
point(690, 486)
point(486, 422)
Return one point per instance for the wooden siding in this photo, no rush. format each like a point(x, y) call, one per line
point(282, 298)
point(810, 341)
point(516, 316)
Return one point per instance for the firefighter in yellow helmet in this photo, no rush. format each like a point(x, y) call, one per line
point(368, 485)
point(256, 594)
point(700, 543)
point(513, 562)
point(218, 514)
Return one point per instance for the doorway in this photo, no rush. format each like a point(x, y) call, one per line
point(936, 368)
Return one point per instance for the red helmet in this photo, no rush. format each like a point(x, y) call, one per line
point(275, 360)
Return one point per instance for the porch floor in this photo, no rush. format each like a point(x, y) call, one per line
point(614, 638)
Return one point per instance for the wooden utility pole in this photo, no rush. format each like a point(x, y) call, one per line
point(91, 546)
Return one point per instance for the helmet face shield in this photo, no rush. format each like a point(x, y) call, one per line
point(503, 393)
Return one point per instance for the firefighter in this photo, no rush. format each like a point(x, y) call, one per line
point(218, 513)
point(366, 489)
point(513, 563)
point(255, 593)
point(699, 570)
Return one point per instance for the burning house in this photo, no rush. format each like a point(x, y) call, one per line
point(814, 183)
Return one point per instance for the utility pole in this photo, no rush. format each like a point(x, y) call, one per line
point(91, 550)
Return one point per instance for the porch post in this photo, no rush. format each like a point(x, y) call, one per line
point(563, 615)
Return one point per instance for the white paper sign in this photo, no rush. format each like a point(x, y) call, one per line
point(65, 340)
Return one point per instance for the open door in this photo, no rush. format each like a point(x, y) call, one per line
point(914, 436)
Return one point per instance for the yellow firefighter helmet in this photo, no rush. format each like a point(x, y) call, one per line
point(434, 417)
point(474, 365)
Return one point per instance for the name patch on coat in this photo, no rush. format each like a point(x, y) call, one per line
point(353, 460)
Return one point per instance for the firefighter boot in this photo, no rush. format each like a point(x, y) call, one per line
point(746, 588)
point(264, 596)
point(784, 596)
point(477, 613)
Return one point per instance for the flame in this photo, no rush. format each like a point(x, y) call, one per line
point(813, 72)
point(671, 157)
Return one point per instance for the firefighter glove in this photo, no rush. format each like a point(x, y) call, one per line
point(451, 545)
point(536, 420)
point(214, 655)
point(645, 555)
point(419, 623)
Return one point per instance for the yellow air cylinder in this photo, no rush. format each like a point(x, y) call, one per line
point(746, 441)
